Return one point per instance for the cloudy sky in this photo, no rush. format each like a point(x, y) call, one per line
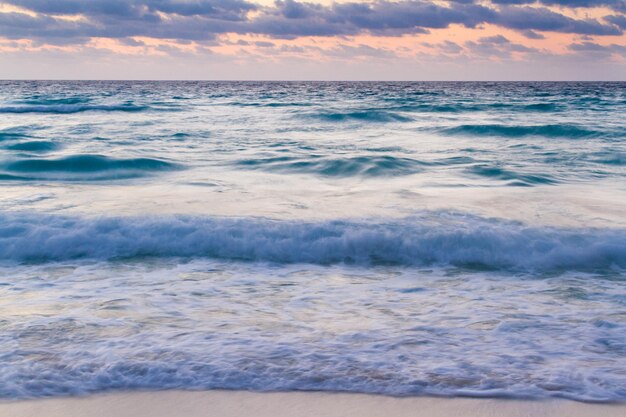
point(317, 39)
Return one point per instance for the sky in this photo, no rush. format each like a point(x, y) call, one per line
point(313, 40)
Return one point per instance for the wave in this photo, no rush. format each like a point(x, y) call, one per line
point(478, 107)
point(34, 146)
point(365, 166)
point(376, 116)
point(143, 361)
point(7, 135)
point(556, 131)
point(609, 158)
point(429, 238)
point(43, 101)
point(515, 178)
point(86, 167)
point(72, 108)
point(9, 177)
point(269, 104)
point(520, 107)
point(432, 108)
point(542, 107)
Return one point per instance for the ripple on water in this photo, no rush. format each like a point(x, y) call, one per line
point(372, 116)
point(34, 146)
point(358, 166)
point(516, 131)
point(514, 178)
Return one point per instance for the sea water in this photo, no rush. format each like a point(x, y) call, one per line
point(395, 238)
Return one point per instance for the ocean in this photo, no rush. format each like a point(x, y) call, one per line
point(453, 239)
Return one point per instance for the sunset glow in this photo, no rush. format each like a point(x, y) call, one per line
point(313, 40)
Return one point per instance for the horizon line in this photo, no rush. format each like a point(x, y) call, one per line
point(302, 80)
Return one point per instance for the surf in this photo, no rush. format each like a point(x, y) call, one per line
point(439, 238)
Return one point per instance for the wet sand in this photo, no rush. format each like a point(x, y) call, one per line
point(296, 404)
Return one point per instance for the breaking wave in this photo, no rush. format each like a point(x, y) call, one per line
point(437, 238)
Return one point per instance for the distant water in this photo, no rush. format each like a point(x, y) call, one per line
point(397, 238)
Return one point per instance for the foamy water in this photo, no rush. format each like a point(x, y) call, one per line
point(397, 238)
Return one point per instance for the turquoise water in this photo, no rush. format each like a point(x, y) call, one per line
point(397, 238)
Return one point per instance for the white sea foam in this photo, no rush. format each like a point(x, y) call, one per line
point(81, 327)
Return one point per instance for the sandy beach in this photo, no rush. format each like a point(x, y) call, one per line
point(296, 404)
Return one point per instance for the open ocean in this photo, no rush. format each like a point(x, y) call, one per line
point(397, 238)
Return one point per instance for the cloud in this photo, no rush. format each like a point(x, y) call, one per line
point(619, 5)
point(300, 62)
point(289, 19)
point(497, 46)
point(205, 19)
point(359, 51)
point(140, 9)
point(542, 19)
point(617, 20)
point(531, 34)
point(450, 47)
point(591, 48)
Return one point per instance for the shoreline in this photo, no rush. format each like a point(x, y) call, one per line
point(220, 403)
